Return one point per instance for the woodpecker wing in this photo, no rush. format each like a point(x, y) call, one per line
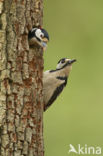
point(55, 95)
point(52, 87)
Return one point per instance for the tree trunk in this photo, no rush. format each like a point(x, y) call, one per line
point(21, 68)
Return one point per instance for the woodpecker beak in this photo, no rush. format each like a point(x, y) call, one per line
point(44, 43)
point(71, 61)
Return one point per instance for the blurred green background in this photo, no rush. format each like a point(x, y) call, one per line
point(76, 31)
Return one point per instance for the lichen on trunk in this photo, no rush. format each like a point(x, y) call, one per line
point(21, 68)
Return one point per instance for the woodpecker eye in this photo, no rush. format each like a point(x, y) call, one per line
point(41, 36)
point(63, 61)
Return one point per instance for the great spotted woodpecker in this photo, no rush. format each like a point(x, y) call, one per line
point(38, 36)
point(54, 81)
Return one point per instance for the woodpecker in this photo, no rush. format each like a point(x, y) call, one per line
point(54, 81)
point(38, 36)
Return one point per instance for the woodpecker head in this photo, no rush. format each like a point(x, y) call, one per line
point(64, 62)
point(64, 66)
point(38, 36)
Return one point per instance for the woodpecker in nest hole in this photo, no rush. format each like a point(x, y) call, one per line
point(54, 81)
point(38, 36)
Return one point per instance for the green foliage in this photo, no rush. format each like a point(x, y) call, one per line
point(76, 31)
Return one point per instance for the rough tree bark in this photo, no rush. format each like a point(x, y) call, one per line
point(21, 67)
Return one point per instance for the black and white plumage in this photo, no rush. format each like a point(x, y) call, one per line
point(38, 36)
point(54, 81)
